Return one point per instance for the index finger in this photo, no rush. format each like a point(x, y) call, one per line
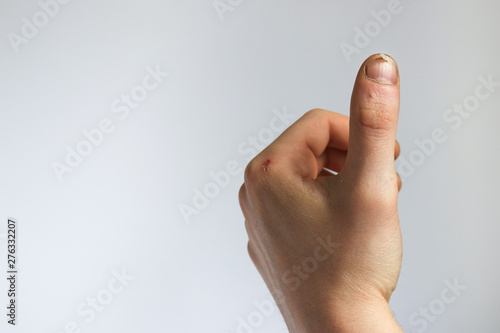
point(301, 148)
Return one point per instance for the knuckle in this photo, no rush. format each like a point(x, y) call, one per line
point(378, 193)
point(316, 112)
point(251, 172)
point(375, 113)
point(374, 206)
point(259, 172)
point(254, 178)
point(400, 181)
point(375, 116)
point(251, 253)
point(383, 197)
point(242, 195)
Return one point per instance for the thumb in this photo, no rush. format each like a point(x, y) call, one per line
point(373, 121)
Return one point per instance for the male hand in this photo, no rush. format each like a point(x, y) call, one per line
point(329, 246)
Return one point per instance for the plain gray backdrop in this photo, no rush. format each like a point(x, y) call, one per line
point(164, 96)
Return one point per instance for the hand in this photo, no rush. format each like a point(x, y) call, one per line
point(329, 246)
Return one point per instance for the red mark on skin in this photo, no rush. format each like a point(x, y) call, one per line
point(266, 164)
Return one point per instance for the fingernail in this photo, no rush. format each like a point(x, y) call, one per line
point(382, 70)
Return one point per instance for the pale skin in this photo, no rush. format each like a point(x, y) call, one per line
point(289, 201)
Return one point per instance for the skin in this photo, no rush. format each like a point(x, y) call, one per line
point(292, 206)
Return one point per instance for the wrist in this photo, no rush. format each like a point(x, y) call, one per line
point(370, 316)
point(347, 316)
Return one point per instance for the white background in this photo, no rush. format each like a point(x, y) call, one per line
point(119, 209)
